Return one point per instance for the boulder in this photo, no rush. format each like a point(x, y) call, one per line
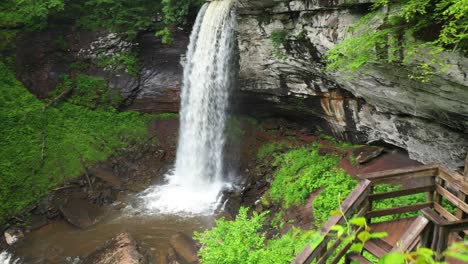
point(108, 176)
point(122, 249)
point(380, 103)
point(80, 213)
point(12, 235)
point(367, 153)
point(185, 247)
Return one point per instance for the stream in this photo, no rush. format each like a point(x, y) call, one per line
point(60, 242)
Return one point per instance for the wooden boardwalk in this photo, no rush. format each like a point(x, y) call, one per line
point(435, 227)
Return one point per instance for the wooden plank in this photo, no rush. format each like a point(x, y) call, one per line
point(377, 247)
point(341, 254)
point(352, 202)
point(404, 192)
point(398, 210)
point(412, 234)
point(452, 198)
point(460, 214)
point(358, 258)
point(442, 211)
point(394, 228)
point(433, 216)
point(403, 178)
point(430, 169)
point(460, 225)
point(449, 218)
point(455, 179)
point(465, 172)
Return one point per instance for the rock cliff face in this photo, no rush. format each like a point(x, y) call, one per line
point(430, 120)
point(41, 58)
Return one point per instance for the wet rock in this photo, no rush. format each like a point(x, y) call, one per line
point(80, 213)
point(107, 175)
point(170, 257)
point(13, 235)
point(122, 249)
point(379, 103)
point(367, 153)
point(37, 221)
point(185, 247)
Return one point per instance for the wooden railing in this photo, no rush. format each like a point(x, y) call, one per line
point(437, 181)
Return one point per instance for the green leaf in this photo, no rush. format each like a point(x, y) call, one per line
point(360, 221)
point(336, 213)
point(393, 258)
point(457, 255)
point(339, 230)
point(379, 235)
point(364, 236)
point(357, 247)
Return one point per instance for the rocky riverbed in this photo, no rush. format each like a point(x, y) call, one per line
point(99, 218)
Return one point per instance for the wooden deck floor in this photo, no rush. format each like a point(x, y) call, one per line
point(395, 229)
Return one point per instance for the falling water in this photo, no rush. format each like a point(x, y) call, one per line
point(6, 258)
point(197, 179)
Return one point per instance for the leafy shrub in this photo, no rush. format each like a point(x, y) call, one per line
point(303, 171)
point(166, 115)
point(269, 149)
point(411, 29)
point(278, 39)
point(91, 92)
point(126, 61)
point(40, 149)
point(243, 241)
point(19, 14)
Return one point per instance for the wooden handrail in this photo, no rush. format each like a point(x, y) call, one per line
point(352, 202)
point(426, 170)
point(442, 179)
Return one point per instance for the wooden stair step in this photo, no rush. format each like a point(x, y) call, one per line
point(410, 239)
point(377, 247)
point(359, 258)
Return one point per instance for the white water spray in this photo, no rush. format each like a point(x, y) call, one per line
point(6, 258)
point(195, 184)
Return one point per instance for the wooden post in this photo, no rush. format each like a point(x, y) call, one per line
point(466, 168)
point(442, 241)
point(460, 213)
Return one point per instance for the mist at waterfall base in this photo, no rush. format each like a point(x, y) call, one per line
point(6, 258)
point(195, 184)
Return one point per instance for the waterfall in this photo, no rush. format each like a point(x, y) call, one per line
point(6, 258)
point(197, 179)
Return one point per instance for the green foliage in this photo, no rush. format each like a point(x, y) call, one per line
point(269, 149)
point(303, 171)
point(411, 30)
point(234, 127)
point(130, 16)
point(278, 221)
point(166, 115)
point(243, 241)
point(40, 149)
point(126, 61)
point(175, 13)
point(62, 43)
point(357, 232)
point(338, 144)
point(278, 40)
point(91, 92)
point(24, 15)
point(357, 51)
point(457, 250)
point(395, 202)
point(337, 185)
